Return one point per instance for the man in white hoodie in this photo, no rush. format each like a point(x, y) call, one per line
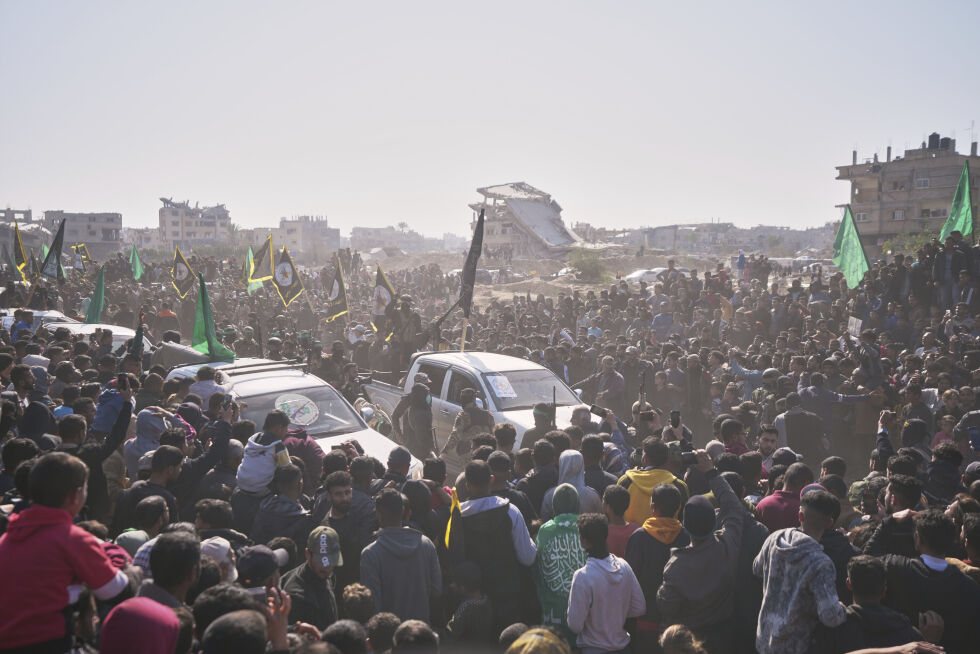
point(604, 593)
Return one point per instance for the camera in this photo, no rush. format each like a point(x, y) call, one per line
point(689, 458)
point(597, 410)
point(649, 414)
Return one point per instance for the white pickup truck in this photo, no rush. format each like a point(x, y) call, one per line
point(509, 388)
point(309, 402)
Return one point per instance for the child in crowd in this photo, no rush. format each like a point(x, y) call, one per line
point(615, 501)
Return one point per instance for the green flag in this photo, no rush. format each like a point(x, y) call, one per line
point(250, 286)
point(848, 252)
point(94, 314)
point(135, 263)
point(960, 216)
point(205, 339)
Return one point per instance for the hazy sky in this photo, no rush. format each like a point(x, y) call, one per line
point(628, 113)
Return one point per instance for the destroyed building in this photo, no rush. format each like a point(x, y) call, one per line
point(525, 221)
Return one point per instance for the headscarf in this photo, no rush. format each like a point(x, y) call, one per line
point(140, 620)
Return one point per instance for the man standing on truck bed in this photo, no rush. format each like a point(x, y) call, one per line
point(470, 421)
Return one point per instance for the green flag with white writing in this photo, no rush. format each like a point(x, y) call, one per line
point(960, 218)
point(849, 254)
point(135, 264)
point(205, 339)
point(97, 303)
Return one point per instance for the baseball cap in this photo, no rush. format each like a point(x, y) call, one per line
point(785, 456)
point(324, 545)
point(258, 562)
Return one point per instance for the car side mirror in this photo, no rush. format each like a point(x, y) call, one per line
point(479, 403)
point(578, 391)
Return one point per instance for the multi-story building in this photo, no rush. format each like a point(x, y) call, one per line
point(21, 216)
point(144, 238)
point(368, 238)
point(910, 193)
point(186, 226)
point(100, 232)
point(309, 238)
point(523, 220)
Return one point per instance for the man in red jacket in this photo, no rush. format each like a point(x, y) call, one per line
point(45, 559)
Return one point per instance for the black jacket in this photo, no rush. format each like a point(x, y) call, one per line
point(94, 455)
point(913, 588)
point(892, 537)
point(279, 515)
point(312, 597)
point(647, 557)
point(537, 482)
point(192, 471)
point(836, 545)
point(870, 625)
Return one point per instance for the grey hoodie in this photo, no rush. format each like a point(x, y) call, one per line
point(798, 590)
point(402, 570)
point(604, 594)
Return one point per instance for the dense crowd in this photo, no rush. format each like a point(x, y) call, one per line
point(772, 465)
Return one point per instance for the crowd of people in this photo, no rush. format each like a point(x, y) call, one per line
point(771, 466)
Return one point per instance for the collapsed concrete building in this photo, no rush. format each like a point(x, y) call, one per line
point(525, 221)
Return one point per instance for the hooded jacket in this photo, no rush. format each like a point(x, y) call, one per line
point(640, 483)
point(279, 515)
point(647, 552)
point(560, 554)
point(571, 470)
point(798, 592)
point(263, 454)
point(44, 552)
point(149, 426)
point(402, 570)
point(604, 593)
point(109, 405)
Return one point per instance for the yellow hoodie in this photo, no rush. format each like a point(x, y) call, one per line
point(640, 484)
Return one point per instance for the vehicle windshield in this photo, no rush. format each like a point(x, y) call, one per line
point(320, 410)
point(522, 389)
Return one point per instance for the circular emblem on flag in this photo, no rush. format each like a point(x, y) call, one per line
point(284, 274)
point(181, 272)
point(381, 299)
point(334, 290)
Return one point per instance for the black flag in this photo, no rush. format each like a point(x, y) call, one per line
point(286, 278)
point(336, 294)
point(181, 274)
point(51, 266)
point(468, 276)
point(261, 263)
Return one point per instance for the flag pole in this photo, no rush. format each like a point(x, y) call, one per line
point(462, 338)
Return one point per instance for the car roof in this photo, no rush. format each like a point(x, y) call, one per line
point(251, 376)
point(89, 328)
point(482, 361)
